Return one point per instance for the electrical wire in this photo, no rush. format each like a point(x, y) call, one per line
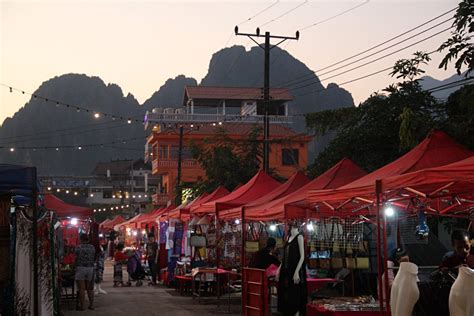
point(259, 12)
point(284, 14)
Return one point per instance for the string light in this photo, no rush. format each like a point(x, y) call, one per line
point(12, 149)
point(96, 115)
point(129, 121)
point(67, 191)
point(75, 193)
point(80, 148)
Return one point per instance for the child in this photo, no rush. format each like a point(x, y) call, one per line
point(120, 258)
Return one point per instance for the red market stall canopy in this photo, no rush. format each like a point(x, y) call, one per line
point(63, 209)
point(149, 218)
point(182, 212)
point(437, 149)
point(449, 188)
point(218, 193)
point(112, 222)
point(291, 185)
point(255, 188)
point(341, 173)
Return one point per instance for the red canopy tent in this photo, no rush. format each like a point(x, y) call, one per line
point(341, 173)
point(63, 209)
point(437, 149)
point(218, 193)
point(112, 222)
point(148, 218)
point(291, 185)
point(255, 188)
point(443, 190)
point(182, 212)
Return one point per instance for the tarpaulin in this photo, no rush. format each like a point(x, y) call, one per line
point(109, 224)
point(291, 185)
point(218, 193)
point(341, 173)
point(437, 149)
point(63, 209)
point(255, 188)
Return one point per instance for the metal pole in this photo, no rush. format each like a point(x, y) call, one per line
point(266, 100)
point(242, 247)
point(379, 257)
point(178, 178)
point(35, 246)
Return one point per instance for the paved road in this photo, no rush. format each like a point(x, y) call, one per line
point(146, 300)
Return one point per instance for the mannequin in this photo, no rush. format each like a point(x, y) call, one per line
point(461, 297)
point(405, 293)
point(291, 276)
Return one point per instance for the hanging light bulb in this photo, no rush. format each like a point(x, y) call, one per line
point(67, 191)
point(58, 190)
point(12, 149)
point(237, 221)
point(96, 115)
point(75, 193)
point(310, 226)
point(129, 121)
point(273, 227)
point(74, 221)
point(389, 211)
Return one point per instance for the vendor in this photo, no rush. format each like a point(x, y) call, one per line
point(264, 258)
point(457, 257)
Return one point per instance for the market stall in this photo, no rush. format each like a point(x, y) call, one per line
point(362, 197)
point(29, 265)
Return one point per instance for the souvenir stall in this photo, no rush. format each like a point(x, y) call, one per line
point(277, 213)
point(109, 224)
point(257, 232)
point(360, 198)
point(260, 185)
point(202, 252)
point(29, 244)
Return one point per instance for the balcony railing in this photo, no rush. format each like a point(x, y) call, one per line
point(160, 198)
point(151, 118)
point(159, 164)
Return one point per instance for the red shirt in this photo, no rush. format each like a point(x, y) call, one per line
point(120, 256)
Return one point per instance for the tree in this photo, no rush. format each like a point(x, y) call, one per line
point(460, 46)
point(227, 161)
point(384, 126)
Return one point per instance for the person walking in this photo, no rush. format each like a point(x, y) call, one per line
point(99, 270)
point(152, 257)
point(84, 276)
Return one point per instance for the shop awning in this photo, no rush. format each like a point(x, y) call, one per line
point(255, 188)
point(443, 190)
point(17, 180)
point(112, 222)
point(291, 185)
point(182, 212)
point(63, 209)
point(437, 149)
point(218, 193)
point(345, 171)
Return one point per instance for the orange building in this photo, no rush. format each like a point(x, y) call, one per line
point(207, 110)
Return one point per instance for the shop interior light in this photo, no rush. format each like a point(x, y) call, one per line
point(128, 229)
point(273, 227)
point(310, 226)
point(101, 235)
point(389, 211)
point(49, 188)
point(135, 233)
point(237, 221)
point(74, 221)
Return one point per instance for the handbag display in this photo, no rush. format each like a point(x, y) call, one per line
point(198, 241)
point(350, 263)
point(336, 258)
point(251, 246)
point(211, 239)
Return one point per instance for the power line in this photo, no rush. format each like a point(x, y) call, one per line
point(369, 49)
point(335, 16)
point(284, 14)
point(259, 12)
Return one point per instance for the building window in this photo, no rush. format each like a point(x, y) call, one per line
point(107, 194)
point(290, 157)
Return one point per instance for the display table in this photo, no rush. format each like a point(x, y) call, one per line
point(183, 282)
point(314, 310)
point(202, 275)
point(316, 284)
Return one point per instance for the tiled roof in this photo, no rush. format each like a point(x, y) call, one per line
point(235, 93)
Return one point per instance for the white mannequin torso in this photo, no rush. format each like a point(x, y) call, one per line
point(461, 297)
point(405, 293)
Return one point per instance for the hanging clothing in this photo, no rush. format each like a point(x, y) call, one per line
point(292, 298)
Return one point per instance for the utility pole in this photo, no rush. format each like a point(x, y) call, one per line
point(178, 178)
point(266, 84)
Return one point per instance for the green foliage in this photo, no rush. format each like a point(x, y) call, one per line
point(460, 46)
point(459, 120)
point(227, 161)
point(384, 126)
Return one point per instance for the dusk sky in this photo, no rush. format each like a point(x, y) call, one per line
point(140, 44)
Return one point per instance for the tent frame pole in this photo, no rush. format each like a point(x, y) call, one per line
point(379, 257)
